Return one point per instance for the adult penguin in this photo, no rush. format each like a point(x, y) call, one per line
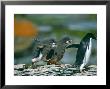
point(84, 51)
point(42, 49)
point(59, 50)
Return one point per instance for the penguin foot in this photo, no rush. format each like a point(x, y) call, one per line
point(33, 65)
point(52, 62)
point(83, 70)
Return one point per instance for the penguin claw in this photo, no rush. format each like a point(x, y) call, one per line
point(83, 70)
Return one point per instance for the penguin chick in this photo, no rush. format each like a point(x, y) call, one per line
point(59, 50)
point(42, 48)
point(49, 50)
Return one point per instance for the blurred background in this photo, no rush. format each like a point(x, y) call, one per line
point(27, 27)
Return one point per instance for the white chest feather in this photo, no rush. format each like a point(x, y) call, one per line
point(38, 58)
point(87, 54)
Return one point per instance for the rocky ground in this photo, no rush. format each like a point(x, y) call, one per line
point(53, 70)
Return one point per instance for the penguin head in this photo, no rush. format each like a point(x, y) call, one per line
point(90, 35)
point(52, 42)
point(66, 40)
point(48, 42)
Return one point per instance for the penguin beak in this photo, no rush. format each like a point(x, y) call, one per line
point(69, 42)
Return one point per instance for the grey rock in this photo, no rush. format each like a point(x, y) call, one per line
point(68, 72)
point(72, 69)
point(20, 66)
point(53, 70)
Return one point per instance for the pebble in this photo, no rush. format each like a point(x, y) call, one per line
point(53, 70)
point(68, 72)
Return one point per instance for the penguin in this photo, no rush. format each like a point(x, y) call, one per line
point(42, 49)
point(84, 51)
point(37, 55)
point(48, 50)
point(59, 50)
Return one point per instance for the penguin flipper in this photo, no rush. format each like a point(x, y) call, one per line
point(36, 52)
point(50, 54)
point(80, 54)
point(73, 46)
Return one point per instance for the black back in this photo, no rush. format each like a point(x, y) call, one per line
point(50, 54)
point(82, 48)
point(81, 51)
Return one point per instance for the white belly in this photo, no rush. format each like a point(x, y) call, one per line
point(87, 55)
point(38, 58)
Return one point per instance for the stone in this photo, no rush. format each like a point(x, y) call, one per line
point(53, 70)
point(68, 72)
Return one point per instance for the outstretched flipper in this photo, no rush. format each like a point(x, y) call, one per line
point(73, 46)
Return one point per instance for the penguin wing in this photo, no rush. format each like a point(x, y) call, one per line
point(36, 52)
point(47, 52)
point(80, 54)
point(50, 54)
point(73, 46)
point(60, 52)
